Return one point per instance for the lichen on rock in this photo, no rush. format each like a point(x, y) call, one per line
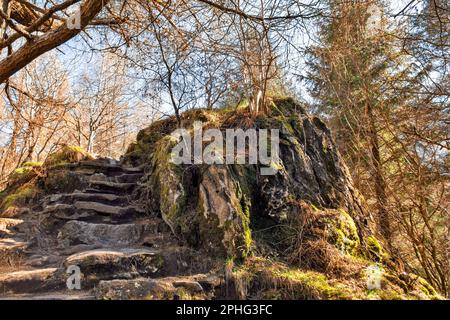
point(203, 205)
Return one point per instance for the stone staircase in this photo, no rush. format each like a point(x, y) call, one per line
point(122, 252)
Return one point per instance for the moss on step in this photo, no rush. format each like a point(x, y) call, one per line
point(427, 289)
point(33, 178)
point(243, 210)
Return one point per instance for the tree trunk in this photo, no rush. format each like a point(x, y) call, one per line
point(380, 186)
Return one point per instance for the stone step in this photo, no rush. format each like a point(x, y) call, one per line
point(62, 211)
point(50, 296)
point(59, 208)
point(104, 209)
point(133, 169)
point(101, 177)
point(79, 232)
point(107, 167)
point(6, 223)
point(14, 212)
point(43, 261)
point(170, 288)
point(90, 167)
point(117, 188)
point(104, 198)
point(12, 253)
point(100, 191)
point(152, 234)
point(30, 281)
point(74, 249)
point(127, 263)
point(10, 245)
point(122, 178)
point(95, 266)
point(109, 264)
point(100, 208)
point(128, 178)
point(81, 210)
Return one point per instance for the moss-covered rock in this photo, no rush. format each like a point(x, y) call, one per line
point(61, 181)
point(204, 205)
point(67, 154)
point(263, 278)
point(345, 233)
point(19, 197)
point(224, 212)
point(25, 173)
point(307, 214)
point(214, 204)
point(33, 179)
point(376, 250)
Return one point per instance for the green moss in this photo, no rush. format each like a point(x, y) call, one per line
point(184, 294)
point(286, 106)
point(427, 289)
point(27, 167)
point(277, 92)
point(19, 197)
point(243, 104)
point(325, 145)
point(314, 281)
point(243, 210)
point(289, 127)
point(167, 177)
point(32, 164)
point(375, 249)
point(67, 154)
point(384, 295)
point(344, 233)
point(264, 276)
point(136, 154)
point(23, 174)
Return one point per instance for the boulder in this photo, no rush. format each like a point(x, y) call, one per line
point(215, 206)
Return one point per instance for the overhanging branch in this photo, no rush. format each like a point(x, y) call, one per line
point(50, 40)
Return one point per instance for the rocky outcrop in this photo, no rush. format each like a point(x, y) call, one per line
point(307, 215)
point(214, 206)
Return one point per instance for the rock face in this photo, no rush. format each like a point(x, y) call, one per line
point(215, 206)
